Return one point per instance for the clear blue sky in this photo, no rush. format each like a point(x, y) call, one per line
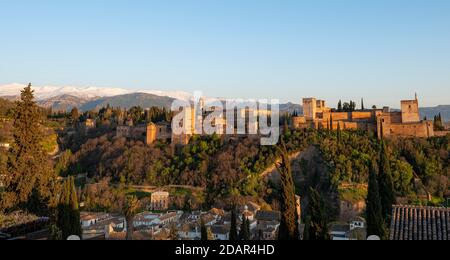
point(382, 50)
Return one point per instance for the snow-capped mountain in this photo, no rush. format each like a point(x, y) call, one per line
point(48, 92)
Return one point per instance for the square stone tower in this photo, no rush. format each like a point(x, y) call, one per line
point(410, 111)
point(310, 108)
point(151, 135)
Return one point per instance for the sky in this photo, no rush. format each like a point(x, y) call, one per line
point(379, 50)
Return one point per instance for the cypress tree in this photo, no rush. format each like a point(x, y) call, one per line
point(244, 232)
point(31, 179)
point(129, 210)
point(233, 228)
point(68, 212)
point(203, 231)
point(374, 215)
point(386, 183)
point(289, 225)
point(362, 104)
point(318, 225)
point(286, 123)
point(74, 115)
point(438, 123)
point(340, 106)
point(209, 233)
point(339, 133)
point(331, 122)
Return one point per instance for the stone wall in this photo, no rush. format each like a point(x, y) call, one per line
point(422, 129)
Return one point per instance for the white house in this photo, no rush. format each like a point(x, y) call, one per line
point(189, 232)
point(357, 223)
point(146, 220)
point(340, 232)
point(89, 219)
point(221, 232)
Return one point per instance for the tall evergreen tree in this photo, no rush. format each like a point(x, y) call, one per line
point(68, 213)
point(74, 115)
point(233, 228)
point(244, 232)
point(289, 220)
point(339, 133)
point(339, 108)
point(129, 210)
point(203, 231)
point(438, 123)
point(386, 183)
point(31, 179)
point(374, 215)
point(318, 225)
point(362, 104)
point(331, 122)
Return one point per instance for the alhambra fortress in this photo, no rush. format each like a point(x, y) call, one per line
point(382, 122)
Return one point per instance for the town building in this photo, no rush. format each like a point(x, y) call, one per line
point(98, 226)
point(221, 232)
point(354, 230)
point(147, 133)
point(159, 201)
point(268, 223)
point(189, 231)
point(89, 219)
point(87, 125)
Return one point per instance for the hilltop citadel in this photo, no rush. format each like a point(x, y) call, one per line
point(385, 123)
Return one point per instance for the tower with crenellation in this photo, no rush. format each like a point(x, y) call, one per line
point(410, 111)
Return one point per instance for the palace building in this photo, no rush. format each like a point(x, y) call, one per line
point(383, 122)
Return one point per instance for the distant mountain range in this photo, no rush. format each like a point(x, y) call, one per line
point(66, 98)
point(430, 112)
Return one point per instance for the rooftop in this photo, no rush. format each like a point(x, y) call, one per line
point(420, 223)
point(264, 215)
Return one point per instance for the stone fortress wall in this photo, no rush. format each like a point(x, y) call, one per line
point(406, 123)
point(383, 122)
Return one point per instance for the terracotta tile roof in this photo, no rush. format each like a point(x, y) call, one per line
point(420, 223)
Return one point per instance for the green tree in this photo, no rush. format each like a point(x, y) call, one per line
point(438, 123)
point(244, 232)
point(289, 220)
point(68, 220)
point(233, 228)
point(374, 215)
point(339, 133)
point(31, 179)
point(130, 209)
point(362, 104)
point(173, 235)
point(74, 115)
point(203, 231)
point(386, 183)
point(318, 223)
point(340, 108)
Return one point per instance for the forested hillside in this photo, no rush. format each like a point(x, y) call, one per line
point(227, 169)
